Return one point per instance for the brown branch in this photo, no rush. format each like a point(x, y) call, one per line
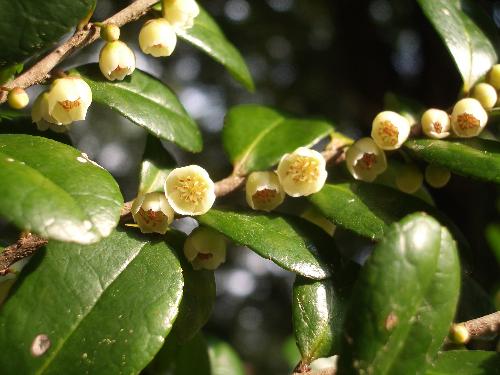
point(24, 247)
point(483, 326)
point(90, 33)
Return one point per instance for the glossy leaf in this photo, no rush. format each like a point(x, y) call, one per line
point(403, 302)
point(256, 137)
point(43, 24)
point(147, 102)
point(465, 362)
point(471, 49)
point(317, 317)
point(105, 308)
point(56, 191)
point(272, 237)
point(223, 358)
point(156, 165)
point(208, 37)
point(479, 158)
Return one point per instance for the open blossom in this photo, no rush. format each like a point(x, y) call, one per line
point(116, 60)
point(264, 191)
point(40, 115)
point(157, 38)
point(189, 190)
point(68, 100)
point(205, 249)
point(303, 172)
point(180, 13)
point(468, 118)
point(390, 130)
point(152, 213)
point(435, 123)
point(365, 160)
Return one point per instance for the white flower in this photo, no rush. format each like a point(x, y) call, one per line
point(18, 98)
point(68, 100)
point(189, 190)
point(437, 176)
point(40, 115)
point(436, 123)
point(180, 13)
point(485, 94)
point(468, 118)
point(157, 37)
point(493, 77)
point(152, 213)
point(116, 60)
point(365, 160)
point(302, 172)
point(390, 130)
point(264, 191)
point(409, 178)
point(205, 249)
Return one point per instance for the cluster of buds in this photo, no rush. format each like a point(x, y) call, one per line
point(116, 59)
point(67, 100)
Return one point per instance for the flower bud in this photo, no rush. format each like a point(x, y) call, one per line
point(468, 118)
point(157, 37)
point(436, 123)
point(189, 190)
point(485, 94)
point(493, 76)
point(365, 160)
point(180, 13)
point(68, 100)
point(264, 191)
point(152, 213)
point(205, 249)
point(459, 334)
point(302, 172)
point(40, 115)
point(409, 178)
point(437, 176)
point(116, 60)
point(110, 32)
point(390, 130)
point(18, 98)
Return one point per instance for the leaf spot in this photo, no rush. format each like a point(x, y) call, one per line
point(40, 345)
point(391, 321)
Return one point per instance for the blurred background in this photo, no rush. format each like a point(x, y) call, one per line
point(319, 58)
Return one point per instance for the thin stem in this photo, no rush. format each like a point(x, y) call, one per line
point(483, 326)
point(27, 245)
point(82, 38)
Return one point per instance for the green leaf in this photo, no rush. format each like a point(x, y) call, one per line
point(7, 73)
point(208, 37)
point(493, 237)
point(403, 302)
point(223, 358)
point(105, 308)
point(56, 191)
point(29, 27)
point(471, 49)
point(465, 362)
point(272, 237)
point(256, 137)
point(7, 114)
point(479, 158)
point(317, 318)
point(156, 166)
point(147, 102)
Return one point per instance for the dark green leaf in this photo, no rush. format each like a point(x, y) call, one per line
point(55, 190)
point(317, 318)
point(156, 165)
point(403, 302)
point(223, 358)
point(7, 114)
point(6, 74)
point(208, 37)
point(256, 137)
point(493, 238)
point(105, 308)
point(475, 157)
point(29, 27)
point(147, 102)
point(471, 49)
point(272, 237)
point(464, 362)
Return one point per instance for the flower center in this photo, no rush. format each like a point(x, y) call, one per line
point(152, 217)
point(264, 195)
point(367, 161)
point(119, 69)
point(388, 133)
point(467, 122)
point(69, 105)
point(437, 127)
point(191, 189)
point(304, 169)
point(204, 256)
